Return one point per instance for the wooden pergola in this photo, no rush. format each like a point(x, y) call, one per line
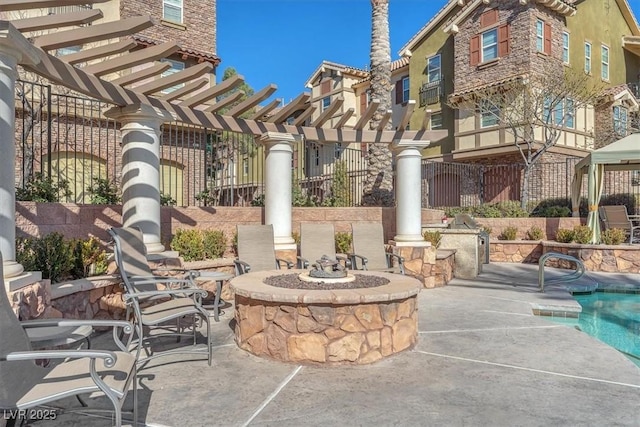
point(87, 71)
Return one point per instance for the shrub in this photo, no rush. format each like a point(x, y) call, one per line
point(207, 197)
point(564, 235)
point(167, 200)
point(214, 243)
point(509, 233)
point(582, 234)
point(234, 243)
point(89, 258)
point(51, 255)
point(435, 237)
point(557, 207)
point(103, 192)
point(507, 209)
point(189, 243)
point(41, 189)
point(613, 236)
point(487, 230)
point(343, 242)
point(535, 233)
point(296, 237)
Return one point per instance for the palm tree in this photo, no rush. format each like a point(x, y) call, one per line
point(378, 187)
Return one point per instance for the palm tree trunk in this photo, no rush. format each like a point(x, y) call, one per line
point(378, 187)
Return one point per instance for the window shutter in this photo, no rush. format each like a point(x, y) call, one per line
point(364, 150)
point(490, 17)
point(547, 38)
point(504, 40)
point(295, 159)
point(363, 103)
point(474, 51)
point(399, 92)
point(325, 87)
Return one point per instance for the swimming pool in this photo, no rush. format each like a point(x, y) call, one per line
point(613, 318)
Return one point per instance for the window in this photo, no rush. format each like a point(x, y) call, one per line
point(434, 69)
point(570, 113)
point(587, 57)
point(337, 150)
point(245, 167)
point(620, 119)
point(604, 72)
point(565, 47)
point(172, 10)
point(436, 121)
point(326, 101)
point(68, 50)
point(563, 113)
point(490, 114)
point(176, 66)
point(540, 35)
point(489, 45)
point(405, 89)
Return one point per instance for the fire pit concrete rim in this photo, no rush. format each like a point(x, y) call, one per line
point(252, 286)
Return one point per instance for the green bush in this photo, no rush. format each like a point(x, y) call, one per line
point(89, 258)
point(507, 209)
point(629, 200)
point(214, 243)
point(103, 192)
point(343, 242)
point(535, 233)
point(613, 236)
point(435, 237)
point(557, 207)
point(234, 243)
point(564, 235)
point(487, 230)
point(167, 200)
point(582, 234)
point(189, 243)
point(51, 254)
point(509, 233)
point(41, 189)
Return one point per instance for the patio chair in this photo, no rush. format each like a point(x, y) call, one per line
point(368, 248)
point(317, 240)
point(256, 251)
point(617, 217)
point(24, 384)
point(153, 308)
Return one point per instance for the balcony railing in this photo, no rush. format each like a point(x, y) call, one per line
point(431, 93)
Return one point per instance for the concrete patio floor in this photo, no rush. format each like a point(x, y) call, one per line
point(482, 358)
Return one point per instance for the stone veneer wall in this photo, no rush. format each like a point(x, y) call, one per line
point(80, 221)
point(327, 334)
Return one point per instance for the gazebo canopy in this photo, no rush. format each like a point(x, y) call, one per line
point(621, 155)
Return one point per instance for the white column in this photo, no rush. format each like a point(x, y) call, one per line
point(277, 186)
point(140, 130)
point(408, 192)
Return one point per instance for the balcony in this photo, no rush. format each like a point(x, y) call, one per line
point(431, 93)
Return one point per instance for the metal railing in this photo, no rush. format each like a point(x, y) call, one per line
point(569, 277)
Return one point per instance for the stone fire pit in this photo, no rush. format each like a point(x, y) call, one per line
point(339, 326)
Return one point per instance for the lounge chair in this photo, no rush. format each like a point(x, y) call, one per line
point(256, 249)
point(317, 240)
point(24, 384)
point(617, 217)
point(368, 249)
point(152, 307)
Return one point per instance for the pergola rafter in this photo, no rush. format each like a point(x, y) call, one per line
point(195, 109)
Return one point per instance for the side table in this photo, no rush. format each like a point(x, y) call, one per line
point(219, 278)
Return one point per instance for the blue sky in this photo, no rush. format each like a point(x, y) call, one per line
point(284, 41)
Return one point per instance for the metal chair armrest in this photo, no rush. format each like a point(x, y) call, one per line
point(345, 259)
point(241, 267)
point(109, 357)
point(166, 292)
point(354, 262)
point(279, 261)
point(400, 260)
point(302, 262)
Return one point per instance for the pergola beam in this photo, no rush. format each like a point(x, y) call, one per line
point(385, 119)
point(266, 109)
point(213, 91)
point(407, 112)
point(224, 103)
point(426, 120)
point(344, 118)
point(130, 60)
point(174, 79)
point(40, 23)
point(7, 5)
point(185, 90)
point(290, 108)
point(368, 114)
point(252, 101)
point(299, 121)
point(154, 70)
point(328, 113)
point(94, 33)
point(100, 51)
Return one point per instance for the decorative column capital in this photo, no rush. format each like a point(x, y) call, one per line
point(400, 145)
point(272, 138)
point(138, 112)
point(13, 43)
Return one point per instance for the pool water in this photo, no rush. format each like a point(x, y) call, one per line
point(613, 318)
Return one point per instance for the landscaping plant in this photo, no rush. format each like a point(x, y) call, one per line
point(509, 233)
point(613, 236)
point(214, 243)
point(42, 189)
point(189, 244)
point(535, 233)
point(434, 237)
point(564, 235)
point(582, 234)
point(343, 242)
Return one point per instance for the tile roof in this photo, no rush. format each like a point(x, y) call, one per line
point(198, 54)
